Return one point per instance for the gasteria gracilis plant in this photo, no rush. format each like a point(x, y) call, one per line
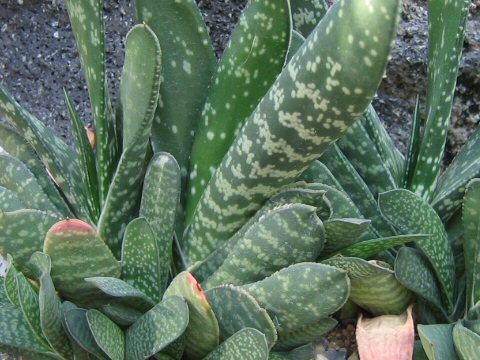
point(195, 180)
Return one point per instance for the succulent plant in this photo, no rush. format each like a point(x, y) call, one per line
point(100, 237)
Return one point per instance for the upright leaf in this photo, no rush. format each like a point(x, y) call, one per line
point(413, 149)
point(447, 21)
point(86, 18)
point(315, 99)
point(466, 342)
point(410, 214)
point(108, 335)
point(247, 344)
point(139, 95)
point(255, 54)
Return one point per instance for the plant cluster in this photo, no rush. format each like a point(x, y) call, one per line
point(213, 215)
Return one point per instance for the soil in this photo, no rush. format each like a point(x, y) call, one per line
point(38, 58)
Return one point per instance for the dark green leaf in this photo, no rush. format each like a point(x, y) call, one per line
point(108, 336)
point(10, 201)
point(247, 344)
point(437, 341)
point(306, 14)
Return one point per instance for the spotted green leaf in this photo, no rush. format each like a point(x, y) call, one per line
point(374, 286)
point(363, 155)
point(287, 235)
point(466, 342)
point(236, 309)
point(188, 66)
point(16, 336)
point(288, 340)
point(437, 341)
point(471, 242)
point(358, 189)
point(141, 264)
point(16, 177)
point(54, 153)
point(393, 158)
point(86, 18)
point(303, 112)
point(414, 272)
point(368, 248)
point(317, 172)
point(10, 283)
point(255, 54)
point(10, 201)
point(123, 291)
point(247, 344)
point(160, 199)
point(76, 323)
point(108, 335)
point(77, 252)
point(341, 233)
point(22, 233)
point(156, 329)
point(86, 157)
point(50, 307)
point(298, 295)
point(305, 352)
point(413, 149)
point(447, 22)
point(121, 313)
point(138, 96)
point(306, 14)
point(410, 214)
point(452, 183)
point(20, 149)
point(202, 333)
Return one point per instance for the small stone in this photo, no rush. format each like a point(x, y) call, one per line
point(56, 35)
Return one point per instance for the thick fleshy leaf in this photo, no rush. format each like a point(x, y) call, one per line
point(55, 154)
point(247, 344)
point(202, 333)
point(447, 23)
point(317, 172)
point(471, 242)
point(86, 18)
point(86, 158)
point(437, 341)
point(123, 291)
point(236, 309)
point(160, 200)
point(141, 264)
point(16, 336)
point(413, 147)
point(16, 177)
point(305, 352)
point(10, 201)
point(306, 14)
point(255, 54)
point(452, 183)
point(288, 340)
point(386, 337)
point(108, 336)
point(138, 96)
point(415, 273)
point(302, 293)
point(77, 253)
point(296, 42)
point(384, 144)
point(410, 214)
point(121, 313)
point(287, 235)
point(373, 285)
point(20, 149)
point(368, 248)
point(188, 67)
point(358, 190)
point(306, 195)
point(156, 329)
point(466, 342)
point(22, 233)
point(76, 323)
point(50, 306)
point(341, 233)
point(321, 92)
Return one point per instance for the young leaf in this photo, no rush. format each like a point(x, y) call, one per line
point(410, 214)
point(301, 115)
point(256, 54)
point(236, 309)
point(108, 336)
point(437, 341)
point(138, 95)
point(447, 22)
point(156, 329)
point(247, 344)
point(287, 235)
point(86, 18)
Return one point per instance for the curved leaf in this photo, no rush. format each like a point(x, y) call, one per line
point(247, 344)
point(108, 336)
